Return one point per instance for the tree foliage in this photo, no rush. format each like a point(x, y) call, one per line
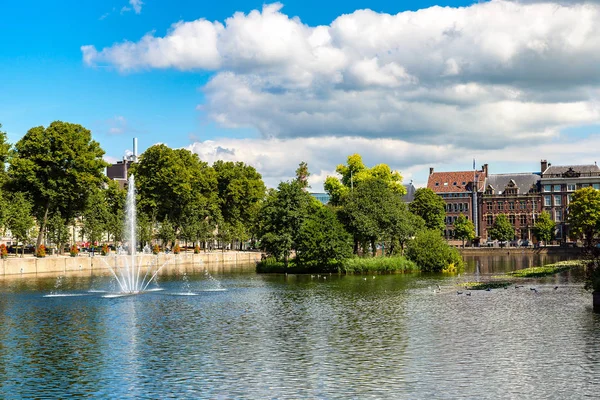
point(281, 218)
point(430, 207)
point(464, 229)
point(57, 167)
point(584, 214)
point(355, 173)
point(430, 251)
point(544, 227)
point(240, 190)
point(19, 217)
point(94, 217)
point(302, 175)
point(502, 229)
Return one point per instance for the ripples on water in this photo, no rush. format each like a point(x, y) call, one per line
point(301, 337)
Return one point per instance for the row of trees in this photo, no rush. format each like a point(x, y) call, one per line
point(53, 179)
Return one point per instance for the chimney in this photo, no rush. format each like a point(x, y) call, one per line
point(484, 168)
point(430, 170)
point(544, 166)
point(135, 149)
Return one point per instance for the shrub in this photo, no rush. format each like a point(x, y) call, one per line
point(155, 249)
point(41, 251)
point(431, 253)
point(74, 251)
point(176, 249)
point(3, 251)
point(105, 250)
point(197, 249)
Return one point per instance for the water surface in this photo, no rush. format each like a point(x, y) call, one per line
point(289, 337)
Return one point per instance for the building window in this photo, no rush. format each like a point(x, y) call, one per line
point(557, 188)
point(547, 188)
point(557, 200)
point(548, 201)
point(569, 198)
point(511, 219)
point(584, 185)
point(489, 206)
point(490, 220)
point(500, 206)
point(466, 206)
point(596, 186)
point(511, 205)
point(437, 184)
point(460, 207)
point(522, 205)
point(464, 183)
point(559, 232)
point(570, 187)
point(455, 207)
point(523, 219)
point(558, 215)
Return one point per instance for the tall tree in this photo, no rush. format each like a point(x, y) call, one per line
point(169, 181)
point(430, 207)
point(115, 198)
point(4, 150)
point(322, 239)
point(355, 173)
point(58, 167)
point(370, 211)
point(19, 219)
point(464, 229)
point(95, 216)
point(281, 218)
point(502, 229)
point(302, 175)
point(544, 227)
point(58, 231)
point(241, 190)
point(584, 215)
point(405, 226)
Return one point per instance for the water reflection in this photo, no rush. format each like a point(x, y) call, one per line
point(302, 337)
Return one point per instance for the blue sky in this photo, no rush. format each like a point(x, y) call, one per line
point(44, 76)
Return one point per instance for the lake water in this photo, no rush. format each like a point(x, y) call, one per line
point(288, 337)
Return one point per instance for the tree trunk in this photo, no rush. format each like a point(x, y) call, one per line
point(373, 248)
point(355, 247)
point(42, 228)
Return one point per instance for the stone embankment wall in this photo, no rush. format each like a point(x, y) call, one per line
point(482, 251)
point(101, 265)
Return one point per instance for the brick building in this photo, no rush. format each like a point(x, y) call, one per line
point(558, 182)
point(515, 195)
point(460, 191)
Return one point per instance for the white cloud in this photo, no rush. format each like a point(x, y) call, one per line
point(277, 159)
point(135, 5)
point(483, 76)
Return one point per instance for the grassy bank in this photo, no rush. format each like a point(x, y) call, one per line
point(486, 285)
point(548, 269)
point(355, 265)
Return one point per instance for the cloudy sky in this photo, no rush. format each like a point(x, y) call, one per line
point(412, 84)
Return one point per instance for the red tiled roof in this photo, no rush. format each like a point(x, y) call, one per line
point(444, 182)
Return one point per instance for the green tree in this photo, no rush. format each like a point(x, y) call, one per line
point(369, 213)
point(115, 198)
point(584, 215)
point(169, 182)
point(430, 207)
point(302, 175)
point(19, 219)
point(144, 229)
point(544, 227)
point(355, 173)
point(502, 229)
point(94, 217)
point(322, 239)
point(405, 225)
point(281, 218)
point(430, 251)
point(58, 231)
point(58, 167)
point(240, 191)
point(166, 232)
point(464, 229)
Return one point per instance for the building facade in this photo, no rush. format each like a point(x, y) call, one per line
point(460, 190)
point(557, 186)
point(515, 195)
